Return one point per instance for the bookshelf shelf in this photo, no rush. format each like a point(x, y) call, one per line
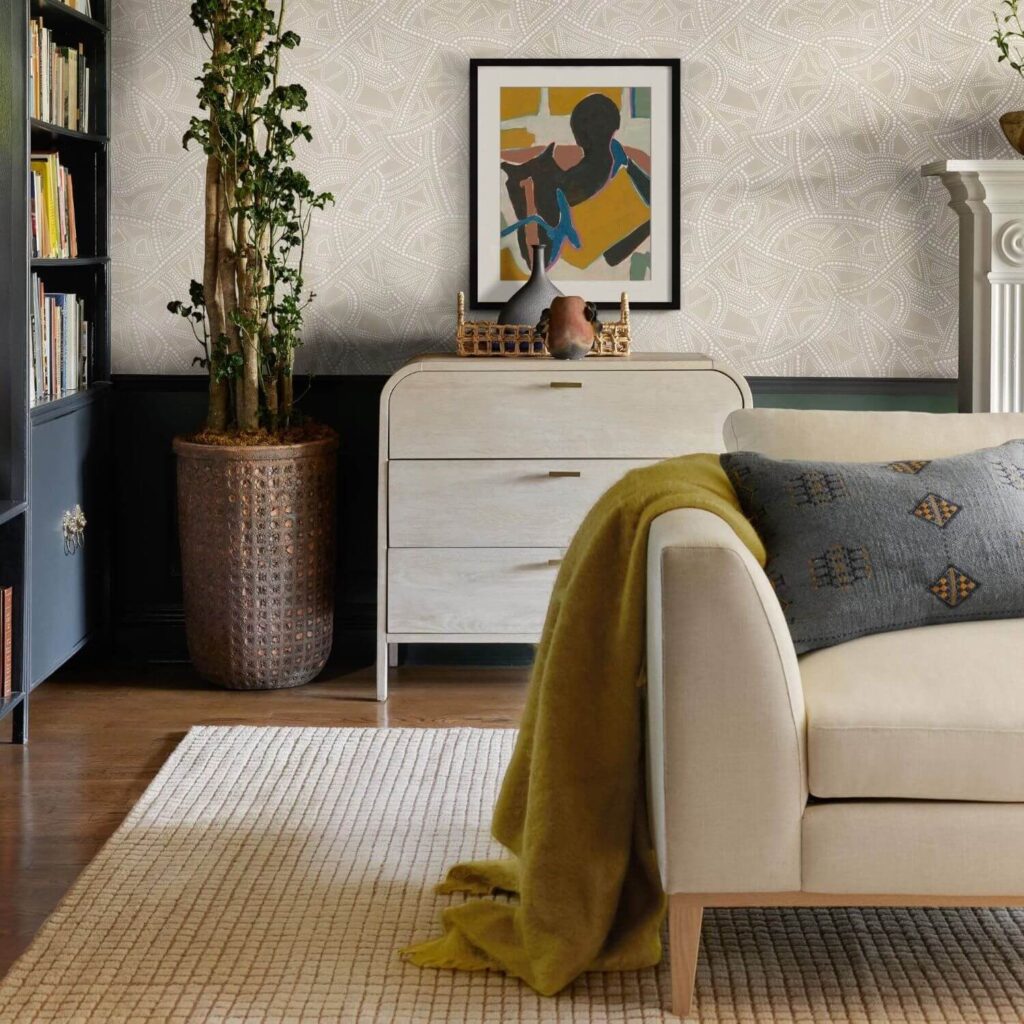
point(8, 704)
point(60, 14)
point(54, 131)
point(53, 453)
point(10, 509)
point(77, 261)
point(47, 408)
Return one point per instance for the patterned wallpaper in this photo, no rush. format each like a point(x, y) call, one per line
point(810, 245)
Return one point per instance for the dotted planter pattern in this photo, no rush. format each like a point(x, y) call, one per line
point(257, 549)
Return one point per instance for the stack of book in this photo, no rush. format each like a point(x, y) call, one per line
point(52, 209)
point(6, 641)
point(60, 340)
point(59, 81)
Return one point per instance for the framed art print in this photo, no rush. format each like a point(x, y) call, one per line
point(583, 156)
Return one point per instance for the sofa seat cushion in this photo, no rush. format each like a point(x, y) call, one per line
point(933, 713)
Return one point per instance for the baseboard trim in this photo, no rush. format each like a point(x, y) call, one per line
point(150, 409)
point(896, 387)
point(893, 386)
point(157, 633)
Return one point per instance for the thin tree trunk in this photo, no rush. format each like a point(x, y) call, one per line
point(249, 384)
point(228, 295)
point(260, 277)
point(270, 397)
point(286, 395)
point(217, 411)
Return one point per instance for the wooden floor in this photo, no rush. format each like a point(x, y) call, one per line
point(98, 739)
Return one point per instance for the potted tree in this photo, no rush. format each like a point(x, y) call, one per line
point(256, 485)
point(1009, 35)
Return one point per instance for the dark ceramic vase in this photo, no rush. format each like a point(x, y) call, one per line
point(526, 306)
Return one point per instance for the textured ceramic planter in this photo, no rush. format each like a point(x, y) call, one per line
point(1012, 124)
point(257, 552)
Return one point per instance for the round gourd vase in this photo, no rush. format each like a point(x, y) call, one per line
point(527, 304)
point(571, 327)
point(1012, 124)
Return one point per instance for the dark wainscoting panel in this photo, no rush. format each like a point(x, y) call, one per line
point(149, 410)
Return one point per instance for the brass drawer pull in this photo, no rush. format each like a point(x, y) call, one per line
point(563, 472)
point(554, 561)
point(73, 524)
point(567, 383)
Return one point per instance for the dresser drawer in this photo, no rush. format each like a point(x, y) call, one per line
point(495, 502)
point(470, 590)
point(559, 412)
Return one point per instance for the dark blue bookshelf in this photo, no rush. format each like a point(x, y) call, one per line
point(53, 452)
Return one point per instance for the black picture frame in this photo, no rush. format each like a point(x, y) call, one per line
point(673, 64)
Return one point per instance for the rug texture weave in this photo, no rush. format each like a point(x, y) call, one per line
point(271, 874)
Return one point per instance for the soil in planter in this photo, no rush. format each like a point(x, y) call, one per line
point(299, 434)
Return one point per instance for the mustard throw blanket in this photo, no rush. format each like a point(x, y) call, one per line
point(571, 807)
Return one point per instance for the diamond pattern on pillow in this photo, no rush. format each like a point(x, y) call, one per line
point(858, 548)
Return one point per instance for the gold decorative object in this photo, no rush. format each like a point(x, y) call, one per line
point(487, 338)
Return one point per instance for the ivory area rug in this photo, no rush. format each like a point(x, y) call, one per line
point(271, 874)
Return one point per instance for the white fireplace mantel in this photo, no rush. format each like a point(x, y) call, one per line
point(988, 197)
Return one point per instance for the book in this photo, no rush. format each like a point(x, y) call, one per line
point(59, 80)
point(71, 86)
point(72, 228)
point(52, 208)
point(56, 86)
point(60, 336)
point(7, 641)
point(84, 346)
point(33, 71)
point(33, 225)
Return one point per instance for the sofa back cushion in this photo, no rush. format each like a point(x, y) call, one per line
point(866, 436)
point(857, 548)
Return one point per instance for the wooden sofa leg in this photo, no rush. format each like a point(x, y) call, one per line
point(684, 920)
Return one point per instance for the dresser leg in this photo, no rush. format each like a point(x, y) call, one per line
point(392, 655)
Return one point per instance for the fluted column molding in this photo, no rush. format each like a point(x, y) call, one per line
point(988, 198)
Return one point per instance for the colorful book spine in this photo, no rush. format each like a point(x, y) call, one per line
point(7, 640)
point(60, 336)
point(33, 69)
point(33, 226)
point(52, 199)
point(59, 79)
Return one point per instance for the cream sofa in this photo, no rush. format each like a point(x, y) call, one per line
point(888, 770)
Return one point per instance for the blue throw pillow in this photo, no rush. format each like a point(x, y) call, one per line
point(857, 548)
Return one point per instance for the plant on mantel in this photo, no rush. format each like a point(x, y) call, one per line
point(247, 311)
point(1008, 38)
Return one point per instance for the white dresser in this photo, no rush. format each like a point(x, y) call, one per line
point(487, 466)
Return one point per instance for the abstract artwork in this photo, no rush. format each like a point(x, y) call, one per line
point(581, 156)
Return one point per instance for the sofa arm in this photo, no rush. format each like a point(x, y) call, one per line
point(727, 780)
